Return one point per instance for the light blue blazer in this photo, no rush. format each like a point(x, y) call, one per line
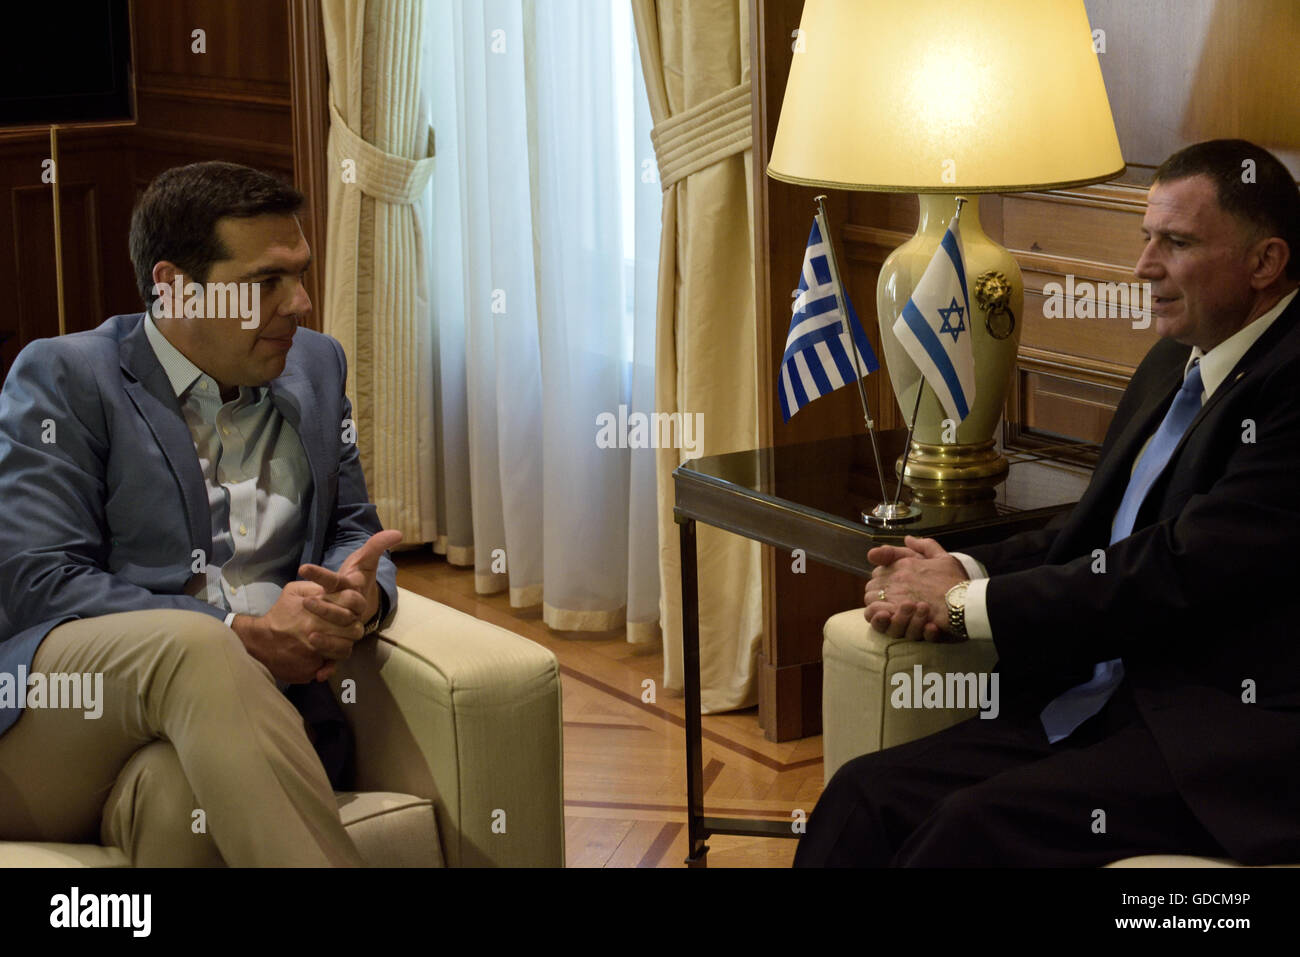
point(102, 502)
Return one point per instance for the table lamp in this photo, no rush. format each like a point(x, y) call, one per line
point(948, 98)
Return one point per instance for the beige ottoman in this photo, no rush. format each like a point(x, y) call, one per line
point(858, 669)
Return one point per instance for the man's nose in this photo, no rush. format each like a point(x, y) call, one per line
point(299, 304)
point(1148, 265)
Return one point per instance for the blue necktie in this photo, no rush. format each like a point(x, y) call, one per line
point(1066, 712)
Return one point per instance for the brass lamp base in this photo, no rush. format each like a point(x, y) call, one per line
point(953, 474)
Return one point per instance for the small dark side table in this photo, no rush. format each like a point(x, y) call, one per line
point(810, 496)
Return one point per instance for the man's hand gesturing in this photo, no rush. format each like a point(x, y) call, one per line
point(350, 595)
point(314, 623)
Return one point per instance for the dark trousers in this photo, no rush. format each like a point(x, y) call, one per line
point(995, 793)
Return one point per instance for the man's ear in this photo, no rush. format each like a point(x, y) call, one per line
point(164, 272)
point(1269, 259)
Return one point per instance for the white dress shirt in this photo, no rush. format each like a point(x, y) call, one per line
point(258, 480)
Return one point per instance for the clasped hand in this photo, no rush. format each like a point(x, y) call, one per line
point(915, 579)
point(315, 622)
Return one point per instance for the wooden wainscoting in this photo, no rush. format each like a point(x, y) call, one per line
point(93, 165)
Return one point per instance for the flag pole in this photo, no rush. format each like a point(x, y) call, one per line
point(907, 443)
point(916, 408)
point(853, 342)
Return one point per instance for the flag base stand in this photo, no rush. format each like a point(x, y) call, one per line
point(887, 513)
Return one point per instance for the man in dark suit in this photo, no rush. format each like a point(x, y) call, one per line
point(186, 539)
point(1148, 661)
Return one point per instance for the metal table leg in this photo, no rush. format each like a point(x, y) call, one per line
point(697, 855)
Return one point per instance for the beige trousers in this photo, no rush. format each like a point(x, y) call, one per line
point(197, 758)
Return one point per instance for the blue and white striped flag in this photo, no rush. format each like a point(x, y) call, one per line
point(935, 327)
point(817, 359)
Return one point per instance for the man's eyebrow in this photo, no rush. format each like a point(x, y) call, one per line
point(257, 272)
point(1171, 233)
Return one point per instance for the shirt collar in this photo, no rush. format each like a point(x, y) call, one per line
point(181, 372)
point(1218, 363)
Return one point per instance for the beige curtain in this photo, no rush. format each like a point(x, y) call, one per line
point(695, 57)
point(376, 298)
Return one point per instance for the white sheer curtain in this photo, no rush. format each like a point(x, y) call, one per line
point(543, 258)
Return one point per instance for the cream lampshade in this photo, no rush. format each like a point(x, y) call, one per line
point(948, 98)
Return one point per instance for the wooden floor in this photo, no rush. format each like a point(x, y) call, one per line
point(625, 758)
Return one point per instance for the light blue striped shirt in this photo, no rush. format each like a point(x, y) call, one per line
point(259, 485)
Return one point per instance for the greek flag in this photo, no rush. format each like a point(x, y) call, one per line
point(935, 327)
point(817, 359)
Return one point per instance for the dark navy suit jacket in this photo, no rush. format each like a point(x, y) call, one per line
point(1199, 601)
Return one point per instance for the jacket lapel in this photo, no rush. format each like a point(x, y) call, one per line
point(1112, 479)
point(147, 386)
point(1264, 346)
point(287, 393)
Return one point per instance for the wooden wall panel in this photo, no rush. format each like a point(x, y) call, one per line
point(210, 127)
point(20, 171)
point(1093, 235)
point(33, 236)
point(310, 122)
point(1081, 409)
point(1181, 71)
point(97, 272)
point(232, 102)
point(1080, 225)
point(247, 48)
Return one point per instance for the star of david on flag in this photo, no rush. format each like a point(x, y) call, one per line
point(947, 320)
point(817, 357)
point(934, 328)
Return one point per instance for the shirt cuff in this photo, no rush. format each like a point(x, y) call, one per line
point(973, 568)
point(230, 620)
point(977, 610)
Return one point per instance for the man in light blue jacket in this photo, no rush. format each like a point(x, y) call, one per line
point(186, 547)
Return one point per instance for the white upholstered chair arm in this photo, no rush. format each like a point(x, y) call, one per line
point(463, 712)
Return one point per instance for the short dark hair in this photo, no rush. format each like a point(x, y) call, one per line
point(1268, 201)
point(176, 218)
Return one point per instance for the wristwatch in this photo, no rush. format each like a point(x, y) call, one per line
point(372, 625)
point(956, 599)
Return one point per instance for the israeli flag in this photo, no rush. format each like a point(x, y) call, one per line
point(935, 327)
point(817, 357)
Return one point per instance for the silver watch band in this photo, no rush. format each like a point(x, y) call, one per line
point(372, 625)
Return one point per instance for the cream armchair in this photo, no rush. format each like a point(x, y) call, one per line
point(459, 749)
point(858, 668)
